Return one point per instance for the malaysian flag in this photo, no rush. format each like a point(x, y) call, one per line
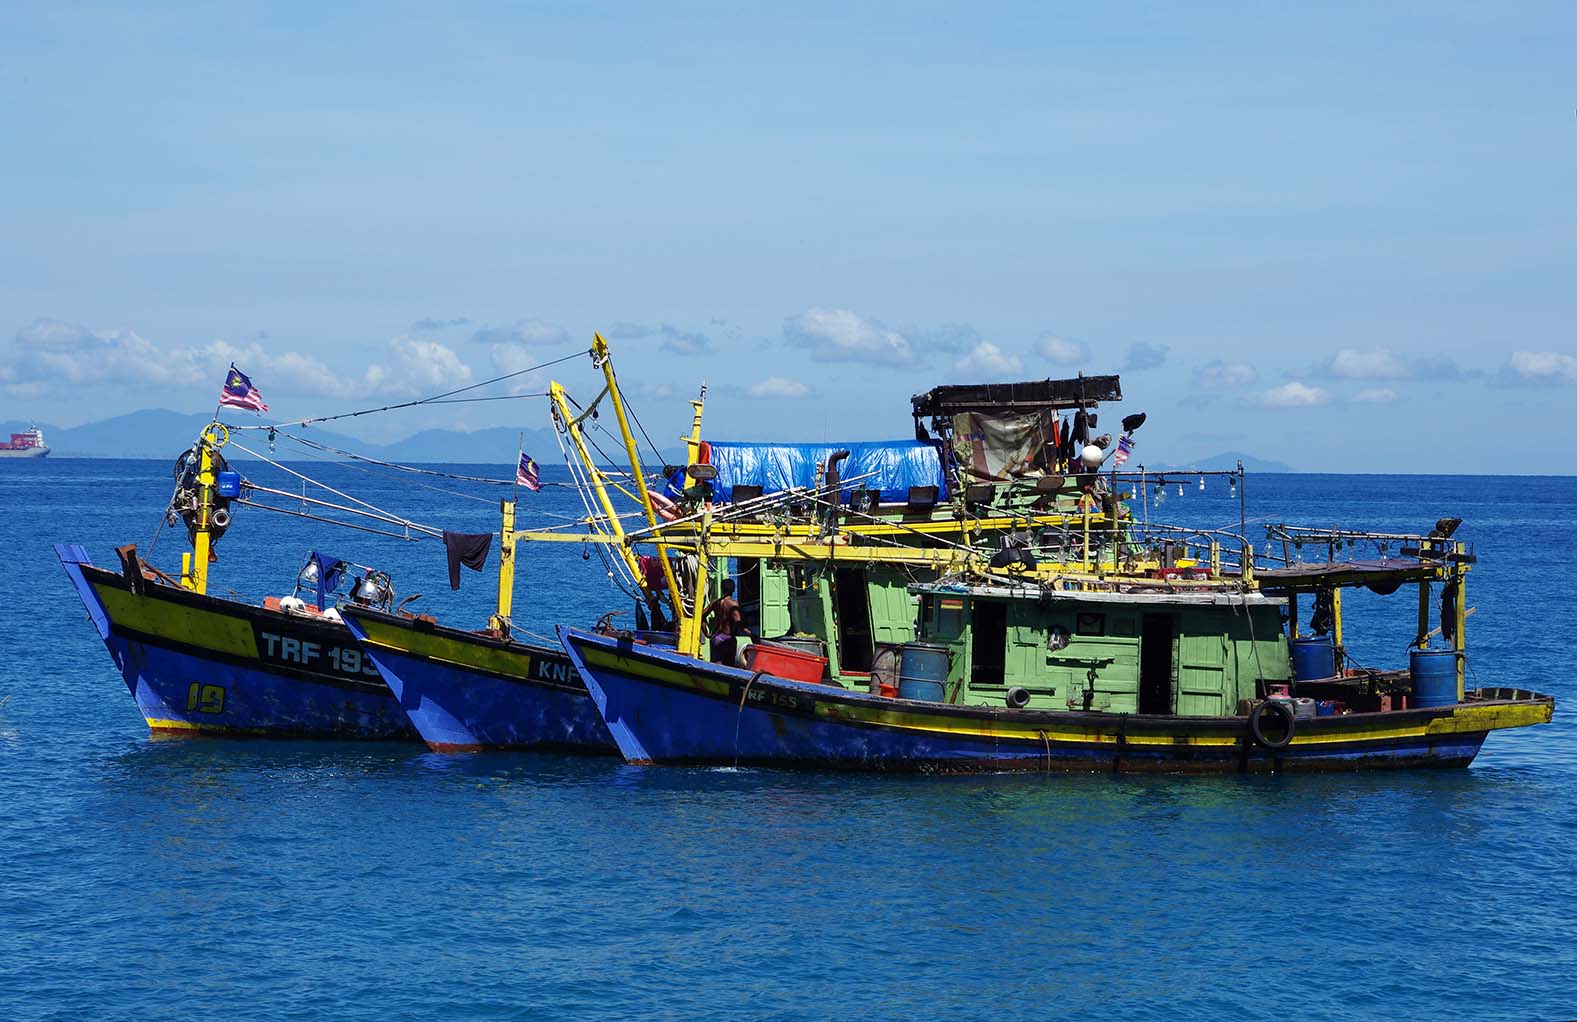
point(238, 392)
point(526, 474)
point(1124, 448)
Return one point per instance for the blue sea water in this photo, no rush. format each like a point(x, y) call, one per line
point(145, 878)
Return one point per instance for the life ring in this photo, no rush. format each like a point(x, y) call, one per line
point(1255, 719)
point(666, 509)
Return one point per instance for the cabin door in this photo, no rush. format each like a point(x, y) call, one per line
point(1155, 664)
point(855, 647)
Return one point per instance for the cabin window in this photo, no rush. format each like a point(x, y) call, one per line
point(989, 642)
point(1087, 623)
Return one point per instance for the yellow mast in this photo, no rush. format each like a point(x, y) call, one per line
point(194, 566)
point(688, 627)
point(571, 424)
point(689, 640)
point(506, 569)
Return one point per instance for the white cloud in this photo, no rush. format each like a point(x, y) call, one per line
point(1295, 395)
point(677, 342)
point(988, 360)
point(1060, 350)
point(1543, 366)
point(1146, 356)
point(51, 356)
point(1374, 364)
point(534, 332)
point(838, 335)
point(777, 386)
point(1225, 374)
point(952, 337)
point(417, 366)
point(1375, 395)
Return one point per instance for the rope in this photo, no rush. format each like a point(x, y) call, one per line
point(398, 467)
point(621, 576)
point(435, 399)
point(377, 512)
point(649, 442)
point(326, 460)
point(330, 521)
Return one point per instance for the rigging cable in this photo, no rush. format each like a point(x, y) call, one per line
point(435, 399)
point(377, 512)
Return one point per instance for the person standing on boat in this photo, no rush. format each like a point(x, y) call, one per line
point(727, 624)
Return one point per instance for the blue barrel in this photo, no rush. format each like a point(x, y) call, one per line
point(1434, 677)
point(1313, 658)
point(922, 671)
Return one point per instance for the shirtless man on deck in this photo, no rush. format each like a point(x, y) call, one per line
point(727, 624)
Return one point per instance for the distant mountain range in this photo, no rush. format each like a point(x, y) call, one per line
point(161, 433)
point(1226, 461)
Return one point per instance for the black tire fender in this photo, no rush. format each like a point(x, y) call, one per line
point(1256, 718)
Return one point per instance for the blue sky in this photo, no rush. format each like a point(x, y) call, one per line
point(1342, 237)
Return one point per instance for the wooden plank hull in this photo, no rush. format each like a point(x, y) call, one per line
point(198, 664)
point(466, 692)
point(661, 707)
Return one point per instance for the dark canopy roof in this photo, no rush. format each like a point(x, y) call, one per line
point(1008, 397)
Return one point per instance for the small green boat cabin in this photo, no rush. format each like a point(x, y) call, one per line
point(1190, 654)
point(1185, 653)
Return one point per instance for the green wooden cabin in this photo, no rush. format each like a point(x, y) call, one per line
point(1187, 653)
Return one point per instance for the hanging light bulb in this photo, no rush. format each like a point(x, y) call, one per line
point(1232, 487)
point(1179, 489)
point(1201, 484)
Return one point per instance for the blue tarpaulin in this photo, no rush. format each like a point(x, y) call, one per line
point(893, 465)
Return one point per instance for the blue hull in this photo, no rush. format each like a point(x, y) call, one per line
point(229, 686)
point(539, 704)
point(665, 708)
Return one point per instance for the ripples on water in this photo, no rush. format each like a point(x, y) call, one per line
point(149, 878)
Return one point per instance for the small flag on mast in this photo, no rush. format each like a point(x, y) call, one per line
point(1124, 448)
point(526, 474)
point(238, 392)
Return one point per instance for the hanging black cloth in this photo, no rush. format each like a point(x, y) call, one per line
point(467, 549)
point(1324, 617)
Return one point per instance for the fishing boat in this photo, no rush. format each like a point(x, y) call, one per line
point(289, 667)
point(1122, 646)
point(195, 663)
point(480, 690)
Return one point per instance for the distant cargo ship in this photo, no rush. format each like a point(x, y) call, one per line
point(26, 445)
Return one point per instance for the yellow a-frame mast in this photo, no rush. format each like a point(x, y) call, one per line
point(689, 626)
point(687, 617)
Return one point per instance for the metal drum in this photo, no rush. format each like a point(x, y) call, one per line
point(884, 667)
point(1313, 658)
point(1434, 677)
point(922, 671)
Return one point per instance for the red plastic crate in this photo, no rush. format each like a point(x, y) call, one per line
point(785, 662)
